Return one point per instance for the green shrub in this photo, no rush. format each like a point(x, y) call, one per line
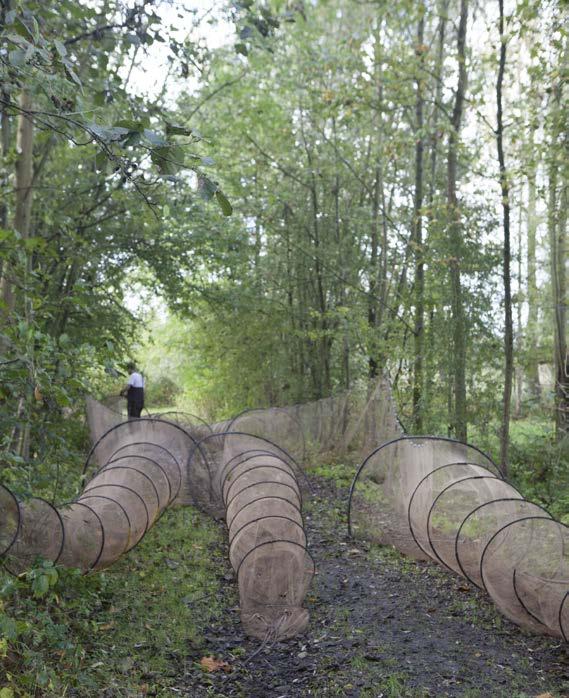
point(540, 469)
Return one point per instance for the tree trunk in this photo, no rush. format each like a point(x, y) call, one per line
point(519, 369)
point(435, 142)
point(557, 229)
point(560, 305)
point(557, 222)
point(532, 366)
point(506, 264)
point(418, 406)
point(23, 187)
point(458, 418)
point(4, 132)
point(374, 310)
point(372, 296)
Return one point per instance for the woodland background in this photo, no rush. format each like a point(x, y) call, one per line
point(270, 202)
point(338, 189)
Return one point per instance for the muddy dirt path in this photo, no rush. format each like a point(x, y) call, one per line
point(381, 625)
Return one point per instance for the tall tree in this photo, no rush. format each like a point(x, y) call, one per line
point(23, 194)
point(419, 295)
point(506, 259)
point(532, 365)
point(458, 419)
point(558, 200)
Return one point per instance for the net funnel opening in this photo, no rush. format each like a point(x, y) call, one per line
point(10, 519)
point(435, 498)
point(131, 475)
point(160, 455)
point(219, 452)
point(273, 579)
point(160, 437)
point(276, 424)
point(193, 424)
point(40, 534)
point(137, 468)
point(257, 489)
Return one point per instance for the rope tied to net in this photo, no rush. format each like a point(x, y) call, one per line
point(272, 634)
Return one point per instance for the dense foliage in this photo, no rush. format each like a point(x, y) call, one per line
point(333, 190)
point(368, 233)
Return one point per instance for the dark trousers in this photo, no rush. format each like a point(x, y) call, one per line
point(134, 402)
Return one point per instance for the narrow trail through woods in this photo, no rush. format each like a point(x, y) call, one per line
point(381, 625)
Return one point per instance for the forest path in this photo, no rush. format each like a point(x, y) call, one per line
point(381, 625)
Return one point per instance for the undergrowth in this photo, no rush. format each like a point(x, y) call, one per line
point(122, 632)
point(539, 467)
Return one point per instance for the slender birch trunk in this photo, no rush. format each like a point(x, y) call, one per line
point(507, 254)
point(418, 379)
point(458, 418)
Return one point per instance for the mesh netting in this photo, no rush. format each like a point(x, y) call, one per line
point(348, 424)
point(440, 499)
point(257, 486)
point(432, 498)
point(197, 426)
point(134, 470)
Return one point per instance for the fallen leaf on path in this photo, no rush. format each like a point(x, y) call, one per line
point(545, 695)
point(213, 664)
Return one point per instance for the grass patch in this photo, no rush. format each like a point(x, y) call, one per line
point(127, 630)
point(340, 473)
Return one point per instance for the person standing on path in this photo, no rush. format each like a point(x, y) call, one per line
point(134, 391)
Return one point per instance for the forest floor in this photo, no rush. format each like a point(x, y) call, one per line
point(381, 625)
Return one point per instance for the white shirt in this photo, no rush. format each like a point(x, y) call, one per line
point(136, 380)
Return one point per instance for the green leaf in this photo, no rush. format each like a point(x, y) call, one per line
point(34, 243)
point(101, 162)
point(99, 99)
point(106, 134)
point(35, 31)
point(168, 159)
point(131, 125)
point(60, 48)
point(173, 130)
point(17, 58)
point(8, 628)
point(206, 187)
point(17, 39)
point(40, 585)
point(154, 138)
point(224, 203)
point(71, 72)
point(242, 49)
point(21, 28)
